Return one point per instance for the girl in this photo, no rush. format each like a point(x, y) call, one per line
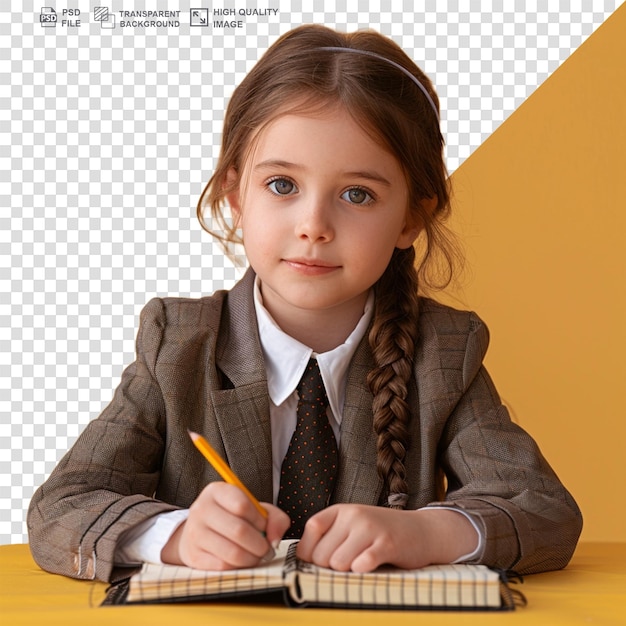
point(332, 165)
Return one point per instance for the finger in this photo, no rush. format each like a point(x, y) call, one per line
point(338, 548)
point(228, 540)
point(277, 524)
point(227, 512)
point(209, 550)
point(317, 527)
point(234, 501)
point(368, 560)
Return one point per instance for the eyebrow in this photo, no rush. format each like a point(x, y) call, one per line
point(270, 163)
point(365, 174)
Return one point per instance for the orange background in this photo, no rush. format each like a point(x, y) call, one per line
point(541, 209)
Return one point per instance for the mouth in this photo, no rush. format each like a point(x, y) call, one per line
point(311, 266)
point(310, 262)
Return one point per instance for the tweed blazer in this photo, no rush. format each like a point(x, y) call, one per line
point(199, 366)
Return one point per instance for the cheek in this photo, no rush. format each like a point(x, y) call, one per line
point(258, 235)
point(379, 238)
point(371, 255)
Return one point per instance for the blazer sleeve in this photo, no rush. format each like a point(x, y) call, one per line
point(497, 474)
point(105, 484)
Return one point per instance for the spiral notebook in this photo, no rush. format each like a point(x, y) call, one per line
point(458, 587)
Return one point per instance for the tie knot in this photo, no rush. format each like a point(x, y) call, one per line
point(311, 386)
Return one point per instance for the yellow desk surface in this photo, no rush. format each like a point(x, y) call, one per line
point(591, 590)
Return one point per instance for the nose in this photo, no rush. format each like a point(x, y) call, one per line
point(315, 221)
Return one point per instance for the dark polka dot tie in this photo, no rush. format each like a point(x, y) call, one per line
point(310, 465)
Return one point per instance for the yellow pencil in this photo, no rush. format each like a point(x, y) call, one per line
point(220, 466)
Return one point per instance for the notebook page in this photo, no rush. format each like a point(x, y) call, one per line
point(434, 586)
point(161, 582)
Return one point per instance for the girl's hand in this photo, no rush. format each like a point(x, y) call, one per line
point(224, 531)
point(360, 538)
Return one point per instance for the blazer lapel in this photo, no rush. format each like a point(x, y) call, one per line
point(358, 479)
point(242, 413)
point(242, 416)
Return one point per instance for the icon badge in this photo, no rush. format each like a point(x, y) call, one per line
point(48, 17)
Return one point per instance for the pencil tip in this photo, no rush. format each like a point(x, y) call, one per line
point(193, 435)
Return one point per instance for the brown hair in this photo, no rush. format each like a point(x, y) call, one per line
point(296, 74)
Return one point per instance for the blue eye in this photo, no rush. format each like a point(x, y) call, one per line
point(282, 186)
point(357, 195)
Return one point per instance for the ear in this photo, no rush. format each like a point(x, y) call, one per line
point(414, 223)
point(233, 198)
point(408, 235)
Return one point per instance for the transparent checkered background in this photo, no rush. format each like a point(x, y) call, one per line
point(107, 138)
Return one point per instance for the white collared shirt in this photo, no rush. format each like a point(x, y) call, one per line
point(285, 362)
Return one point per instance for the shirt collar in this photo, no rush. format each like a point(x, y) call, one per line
point(286, 358)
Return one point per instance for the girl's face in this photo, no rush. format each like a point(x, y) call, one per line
point(322, 207)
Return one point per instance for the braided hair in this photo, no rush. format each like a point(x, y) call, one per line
point(392, 340)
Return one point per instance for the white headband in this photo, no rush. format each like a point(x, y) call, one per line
point(382, 58)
